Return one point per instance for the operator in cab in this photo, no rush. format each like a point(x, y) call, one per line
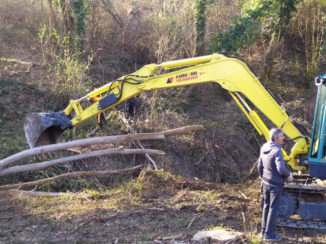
point(273, 173)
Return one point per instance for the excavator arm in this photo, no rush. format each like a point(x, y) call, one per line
point(231, 73)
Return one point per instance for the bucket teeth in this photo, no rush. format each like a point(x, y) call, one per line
point(45, 128)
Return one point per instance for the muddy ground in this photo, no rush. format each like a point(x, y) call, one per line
point(156, 207)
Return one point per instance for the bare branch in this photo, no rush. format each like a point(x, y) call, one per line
point(21, 193)
point(79, 143)
point(147, 156)
point(242, 194)
point(183, 130)
point(43, 165)
point(108, 6)
point(98, 140)
point(71, 175)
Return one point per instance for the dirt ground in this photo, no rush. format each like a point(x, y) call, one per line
point(156, 207)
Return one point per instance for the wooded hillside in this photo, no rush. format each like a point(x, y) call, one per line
point(52, 51)
point(56, 50)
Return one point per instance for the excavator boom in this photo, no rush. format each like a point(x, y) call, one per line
point(243, 85)
point(231, 73)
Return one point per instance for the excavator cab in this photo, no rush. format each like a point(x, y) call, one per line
point(317, 153)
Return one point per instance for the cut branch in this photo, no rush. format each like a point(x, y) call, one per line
point(21, 193)
point(79, 143)
point(98, 140)
point(182, 130)
point(43, 165)
point(71, 175)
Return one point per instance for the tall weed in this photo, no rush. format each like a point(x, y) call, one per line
point(68, 70)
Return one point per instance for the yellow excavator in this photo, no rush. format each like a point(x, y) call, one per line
point(234, 75)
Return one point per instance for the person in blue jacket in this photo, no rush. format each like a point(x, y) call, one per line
point(273, 173)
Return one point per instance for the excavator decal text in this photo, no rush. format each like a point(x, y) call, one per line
point(185, 77)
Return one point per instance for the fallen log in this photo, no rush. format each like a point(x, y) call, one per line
point(71, 175)
point(98, 140)
point(46, 164)
point(21, 193)
point(79, 143)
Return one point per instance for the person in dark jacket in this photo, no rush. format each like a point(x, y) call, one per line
point(273, 173)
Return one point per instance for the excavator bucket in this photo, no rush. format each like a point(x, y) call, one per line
point(45, 128)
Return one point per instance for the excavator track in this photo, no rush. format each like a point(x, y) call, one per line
point(304, 183)
point(309, 187)
point(302, 188)
point(302, 224)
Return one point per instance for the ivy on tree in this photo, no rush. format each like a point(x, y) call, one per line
point(74, 15)
point(200, 22)
point(246, 27)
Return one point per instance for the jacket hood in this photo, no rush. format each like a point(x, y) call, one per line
point(269, 146)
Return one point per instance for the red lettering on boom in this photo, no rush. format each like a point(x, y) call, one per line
point(187, 78)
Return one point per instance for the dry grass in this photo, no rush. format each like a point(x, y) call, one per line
point(151, 207)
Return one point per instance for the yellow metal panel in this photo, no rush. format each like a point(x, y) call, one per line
point(246, 113)
point(185, 62)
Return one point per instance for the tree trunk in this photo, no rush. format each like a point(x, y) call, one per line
point(79, 143)
point(94, 141)
point(53, 18)
point(200, 23)
point(47, 164)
